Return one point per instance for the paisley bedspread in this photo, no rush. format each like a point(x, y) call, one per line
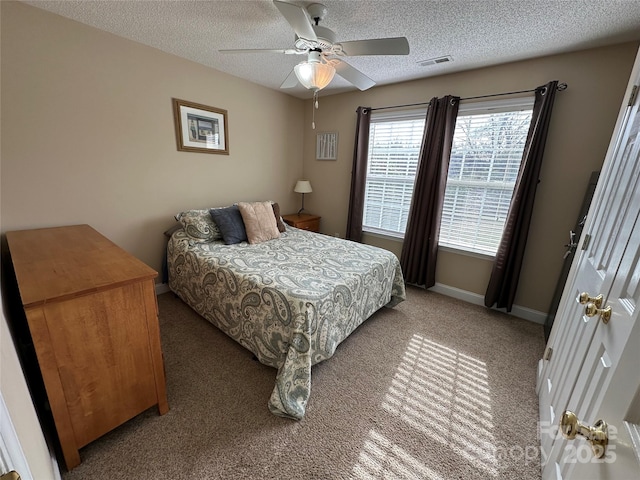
point(290, 301)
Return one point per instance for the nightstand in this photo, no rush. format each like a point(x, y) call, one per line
point(304, 221)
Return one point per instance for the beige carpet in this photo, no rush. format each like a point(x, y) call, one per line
point(434, 388)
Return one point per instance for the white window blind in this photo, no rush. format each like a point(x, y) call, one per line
point(394, 146)
point(485, 158)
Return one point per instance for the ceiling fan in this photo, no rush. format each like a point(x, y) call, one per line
point(319, 44)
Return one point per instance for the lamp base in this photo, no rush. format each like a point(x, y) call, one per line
point(302, 209)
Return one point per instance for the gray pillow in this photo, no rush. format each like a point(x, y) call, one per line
point(229, 222)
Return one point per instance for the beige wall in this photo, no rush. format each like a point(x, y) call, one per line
point(583, 120)
point(15, 394)
point(89, 135)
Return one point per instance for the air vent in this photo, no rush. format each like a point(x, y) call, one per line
point(436, 61)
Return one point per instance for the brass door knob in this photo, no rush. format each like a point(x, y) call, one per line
point(12, 475)
point(591, 310)
point(597, 435)
point(585, 298)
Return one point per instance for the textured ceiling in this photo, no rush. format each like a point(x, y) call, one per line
point(475, 33)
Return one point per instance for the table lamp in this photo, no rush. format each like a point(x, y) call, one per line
point(302, 186)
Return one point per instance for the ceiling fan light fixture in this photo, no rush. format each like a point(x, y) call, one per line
point(313, 74)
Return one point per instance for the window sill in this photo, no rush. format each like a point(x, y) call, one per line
point(457, 251)
point(383, 236)
point(467, 253)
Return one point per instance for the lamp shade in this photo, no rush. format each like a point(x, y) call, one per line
point(313, 74)
point(303, 186)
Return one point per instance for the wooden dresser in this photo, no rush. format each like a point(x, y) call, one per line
point(304, 221)
point(92, 314)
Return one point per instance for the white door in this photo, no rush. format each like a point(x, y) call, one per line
point(11, 455)
point(610, 388)
point(586, 351)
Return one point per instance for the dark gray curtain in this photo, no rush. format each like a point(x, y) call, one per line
point(359, 175)
point(420, 248)
point(506, 267)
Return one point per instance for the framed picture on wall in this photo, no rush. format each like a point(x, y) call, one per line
point(200, 128)
point(327, 146)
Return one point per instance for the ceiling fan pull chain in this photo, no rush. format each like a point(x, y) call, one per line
point(313, 109)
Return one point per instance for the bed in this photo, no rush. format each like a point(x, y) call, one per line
point(291, 300)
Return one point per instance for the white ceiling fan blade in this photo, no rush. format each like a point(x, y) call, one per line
point(291, 80)
point(350, 74)
point(376, 46)
point(287, 51)
point(298, 18)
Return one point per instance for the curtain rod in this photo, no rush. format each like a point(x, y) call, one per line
point(561, 87)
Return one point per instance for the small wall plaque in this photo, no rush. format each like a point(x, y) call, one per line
point(327, 146)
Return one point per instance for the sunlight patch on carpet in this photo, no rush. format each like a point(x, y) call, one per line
point(445, 395)
point(381, 458)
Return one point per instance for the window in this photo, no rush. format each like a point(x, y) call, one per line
point(394, 146)
point(485, 158)
point(487, 149)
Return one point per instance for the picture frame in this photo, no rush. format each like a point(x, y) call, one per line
point(327, 146)
point(200, 128)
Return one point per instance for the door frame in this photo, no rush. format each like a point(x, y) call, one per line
point(11, 454)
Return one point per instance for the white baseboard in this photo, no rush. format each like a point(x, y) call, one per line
point(517, 311)
point(162, 288)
